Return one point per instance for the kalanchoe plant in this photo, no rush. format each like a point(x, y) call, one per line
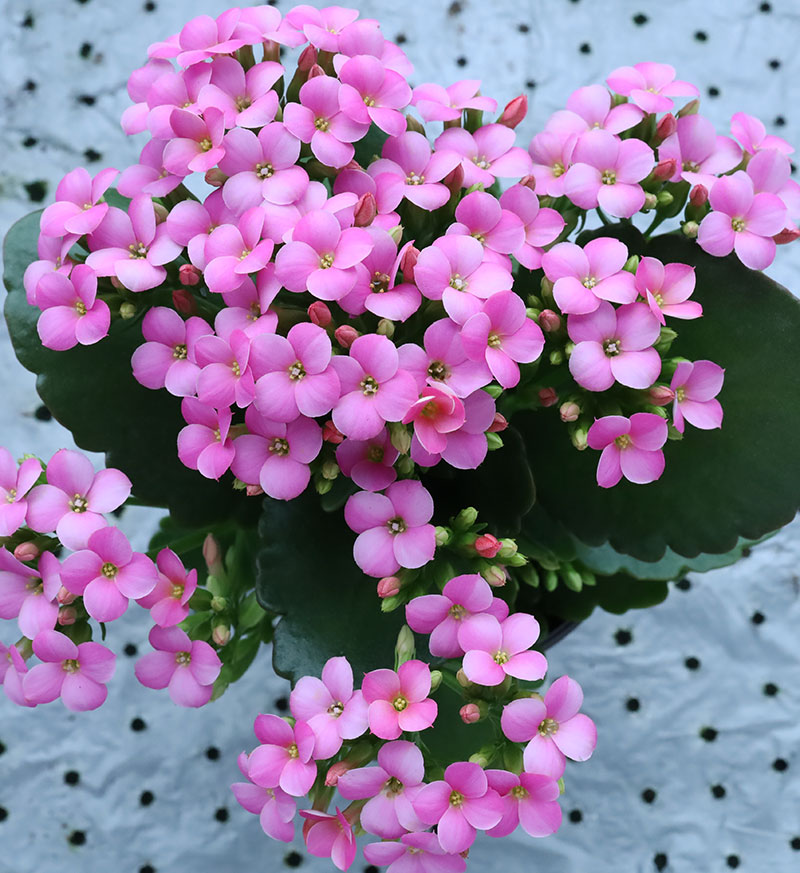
point(338, 341)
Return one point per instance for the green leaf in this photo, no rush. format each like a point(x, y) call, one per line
point(306, 573)
point(91, 391)
point(370, 146)
point(449, 739)
point(742, 481)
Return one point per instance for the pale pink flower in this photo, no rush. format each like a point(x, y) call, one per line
point(498, 230)
point(552, 157)
point(197, 143)
point(502, 335)
point(134, 118)
point(149, 176)
point(419, 852)
point(770, 171)
point(753, 136)
point(247, 307)
point(631, 447)
point(390, 787)
point(225, 376)
point(742, 221)
point(168, 602)
point(295, 375)
point(487, 154)
point(191, 223)
point(245, 98)
point(409, 169)
point(696, 386)
point(273, 806)
point(650, 85)
point(329, 836)
point(71, 312)
point(186, 668)
point(205, 444)
point(606, 171)
point(589, 108)
point(529, 799)
point(131, 247)
point(614, 346)
point(280, 221)
point(459, 805)
point(442, 615)
point(398, 701)
point(76, 674)
point(108, 573)
point(374, 389)
point(53, 256)
point(364, 37)
point(321, 257)
point(583, 277)
point(15, 483)
point(74, 497)
point(360, 183)
point(435, 103)
point(494, 650)
point(437, 413)
point(553, 728)
point(321, 27)
point(174, 91)
point(78, 208)
point(29, 595)
point(284, 757)
point(204, 36)
point(372, 94)
point(12, 675)
point(541, 226)
point(700, 154)
point(369, 463)
point(233, 251)
point(667, 288)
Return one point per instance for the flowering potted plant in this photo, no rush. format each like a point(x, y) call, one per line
point(343, 329)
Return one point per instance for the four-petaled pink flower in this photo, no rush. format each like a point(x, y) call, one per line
point(553, 728)
point(398, 701)
point(369, 463)
point(436, 103)
point(459, 805)
point(371, 93)
point(77, 208)
point(53, 256)
point(235, 250)
point(494, 650)
point(72, 313)
point(76, 674)
point(529, 799)
point(168, 602)
point(696, 386)
point(225, 377)
point(422, 850)
point(650, 85)
point(753, 136)
point(630, 448)
point(614, 345)
point(700, 154)
point(498, 230)
point(29, 595)
point(589, 108)
point(667, 288)
point(246, 99)
point(12, 674)
point(393, 528)
point(74, 497)
point(191, 223)
point(284, 757)
point(15, 483)
point(186, 668)
point(205, 444)
point(541, 226)
point(197, 143)
point(437, 413)
point(487, 154)
point(329, 836)
point(273, 806)
point(552, 157)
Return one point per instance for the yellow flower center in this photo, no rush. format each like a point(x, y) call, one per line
point(279, 446)
point(297, 371)
point(179, 352)
point(80, 307)
point(519, 793)
point(396, 525)
point(691, 167)
point(457, 282)
point(494, 341)
point(205, 144)
point(336, 709)
point(242, 102)
point(326, 262)
point(558, 169)
point(548, 727)
point(71, 665)
point(177, 591)
point(623, 441)
point(183, 659)
point(399, 703)
point(437, 370)
point(293, 752)
point(456, 798)
point(375, 454)
point(680, 394)
point(482, 161)
point(321, 124)
point(109, 570)
point(501, 657)
point(264, 171)
point(415, 179)
point(137, 250)
point(608, 177)
point(236, 369)
point(369, 386)
point(738, 224)
point(589, 282)
point(612, 347)
point(457, 612)
point(380, 283)
point(78, 503)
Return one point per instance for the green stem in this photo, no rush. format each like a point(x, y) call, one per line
point(603, 217)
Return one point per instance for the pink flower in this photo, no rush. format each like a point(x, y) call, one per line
point(371, 93)
point(398, 701)
point(274, 807)
point(553, 728)
point(393, 529)
point(245, 98)
point(541, 226)
point(614, 345)
point(630, 448)
point(77, 208)
point(667, 287)
point(329, 836)
point(752, 134)
point(770, 171)
point(262, 168)
point(695, 386)
point(410, 170)
point(190, 223)
point(530, 799)
point(442, 615)
point(76, 674)
point(29, 595)
point(369, 463)
point(12, 675)
point(196, 145)
point(390, 787)
point(284, 757)
point(321, 27)
point(295, 376)
point(742, 221)
point(589, 108)
point(53, 254)
point(437, 413)
point(15, 483)
point(605, 173)
point(167, 359)
point(225, 377)
point(487, 154)
point(131, 247)
point(459, 805)
point(583, 277)
point(360, 183)
point(108, 573)
point(552, 157)
point(247, 307)
point(203, 37)
point(134, 118)
point(444, 360)
point(72, 501)
point(700, 154)
point(498, 230)
point(373, 388)
point(422, 850)
point(494, 650)
point(149, 176)
point(276, 455)
point(317, 119)
point(233, 251)
point(186, 668)
point(205, 444)
point(174, 91)
point(435, 103)
point(454, 271)
point(503, 336)
point(321, 257)
point(72, 313)
point(650, 85)
point(168, 602)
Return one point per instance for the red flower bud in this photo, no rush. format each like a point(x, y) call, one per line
point(470, 713)
point(549, 321)
point(331, 434)
point(215, 177)
point(188, 274)
point(660, 395)
point(319, 314)
point(65, 597)
point(307, 59)
point(548, 397)
point(254, 491)
point(528, 182)
point(787, 235)
point(365, 210)
point(67, 615)
point(454, 180)
point(408, 262)
point(388, 586)
point(569, 411)
point(666, 127)
point(334, 772)
point(315, 71)
point(26, 552)
point(515, 112)
point(499, 423)
point(346, 335)
point(698, 196)
point(665, 169)
point(487, 546)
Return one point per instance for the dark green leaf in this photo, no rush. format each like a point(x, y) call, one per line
point(370, 146)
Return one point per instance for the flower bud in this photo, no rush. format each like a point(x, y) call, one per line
point(329, 470)
point(508, 548)
point(483, 757)
point(396, 233)
point(253, 490)
point(188, 274)
point(461, 678)
point(218, 604)
point(660, 395)
point(346, 335)
point(221, 635)
point(664, 199)
point(408, 262)
point(436, 679)
point(470, 713)
point(331, 434)
point(389, 604)
point(691, 108)
point(632, 264)
point(404, 465)
point(212, 555)
point(65, 597)
point(67, 615)
point(572, 579)
point(579, 438)
point(454, 180)
point(406, 645)
point(650, 202)
point(486, 545)
point(665, 339)
point(499, 423)
point(385, 328)
point(546, 287)
point(413, 124)
point(529, 575)
point(26, 552)
point(532, 313)
point(549, 321)
point(465, 519)
point(548, 397)
point(443, 535)
point(365, 210)
point(556, 357)
point(496, 576)
point(551, 580)
point(315, 71)
point(115, 283)
point(307, 59)
point(666, 127)
point(322, 486)
point(319, 314)
point(127, 310)
point(215, 177)
point(528, 181)
point(569, 411)
point(665, 170)
point(690, 229)
point(787, 235)
point(515, 112)
point(698, 196)
point(494, 442)
point(184, 301)
point(388, 586)
point(335, 771)
point(494, 391)
point(400, 437)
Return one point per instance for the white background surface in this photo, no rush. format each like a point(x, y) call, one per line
point(529, 46)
